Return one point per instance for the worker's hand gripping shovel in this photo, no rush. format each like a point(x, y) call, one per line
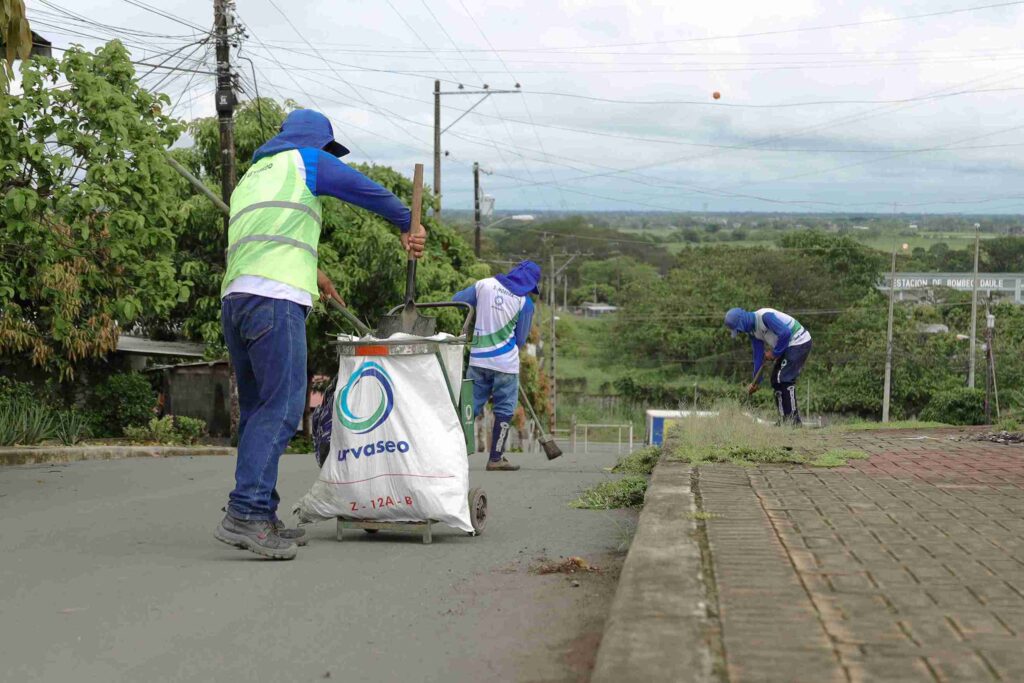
point(410, 320)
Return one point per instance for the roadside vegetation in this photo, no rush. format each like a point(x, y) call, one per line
point(738, 436)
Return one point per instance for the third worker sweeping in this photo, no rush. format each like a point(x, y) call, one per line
point(504, 313)
point(781, 338)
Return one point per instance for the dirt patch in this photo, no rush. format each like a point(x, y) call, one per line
point(547, 627)
point(568, 565)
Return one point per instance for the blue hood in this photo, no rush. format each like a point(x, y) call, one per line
point(521, 280)
point(739, 320)
point(302, 128)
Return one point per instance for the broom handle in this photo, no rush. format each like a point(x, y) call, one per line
point(526, 402)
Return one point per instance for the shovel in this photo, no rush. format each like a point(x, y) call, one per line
point(410, 320)
point(551, 449)
point(360, 326)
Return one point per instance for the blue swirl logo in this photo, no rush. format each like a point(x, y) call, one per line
point(364, 424)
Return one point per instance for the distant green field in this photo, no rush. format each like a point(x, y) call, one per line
point(766, 239)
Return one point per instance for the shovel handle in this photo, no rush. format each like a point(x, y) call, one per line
point(417, 214)
point(349, 316)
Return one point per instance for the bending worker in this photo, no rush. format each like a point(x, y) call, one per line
point(779, 337)
point(504, 314)
point(269, 287)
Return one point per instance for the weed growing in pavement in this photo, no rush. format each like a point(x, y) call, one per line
point(627, 492)
point(702, 516)
point(899, 424)
point(837, 457)
point(639, 462)
point(1008, 424)
point(738, 437)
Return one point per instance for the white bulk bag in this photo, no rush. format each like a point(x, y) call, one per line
point(398, 452)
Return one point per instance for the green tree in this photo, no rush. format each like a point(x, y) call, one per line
point(15, 35)
point(89, 210)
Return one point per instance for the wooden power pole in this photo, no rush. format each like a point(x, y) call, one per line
point(437, 152)
point(476, 209)
point(225, 104)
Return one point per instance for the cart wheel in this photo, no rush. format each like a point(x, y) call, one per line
point(478, 510)
point(371, 531)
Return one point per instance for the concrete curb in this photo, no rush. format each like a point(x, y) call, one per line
point(35, 456)
point(657, 629)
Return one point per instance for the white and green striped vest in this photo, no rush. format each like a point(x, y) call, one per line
point(494, 335)
point(799, 335)
point(274, 228)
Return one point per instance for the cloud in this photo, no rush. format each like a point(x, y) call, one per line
point(651, 50)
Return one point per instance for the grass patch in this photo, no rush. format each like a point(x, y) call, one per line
point(837, 457)
point(627, 492)
point(899, 424)
point(735, 436)
point(639, 462)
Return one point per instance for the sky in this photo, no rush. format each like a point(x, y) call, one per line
point(827, 106)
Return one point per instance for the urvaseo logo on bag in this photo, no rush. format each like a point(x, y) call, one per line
point(358, 424)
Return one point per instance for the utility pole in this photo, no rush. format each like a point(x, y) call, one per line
point(225, 104)
point(437, 152)
point(887, 392)
point(476, 206)
point(974, 308)
point(486, 92)
point(554, 336)
point(991, 324)
point(988, 366)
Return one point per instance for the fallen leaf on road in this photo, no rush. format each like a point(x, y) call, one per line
point(569, 565)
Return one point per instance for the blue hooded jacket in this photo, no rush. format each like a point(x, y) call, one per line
point(522, 280)
point(310, 132)
point(739, 320)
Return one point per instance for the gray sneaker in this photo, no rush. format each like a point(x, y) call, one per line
point(258, 536)
point(502, 465)
point(297, 535)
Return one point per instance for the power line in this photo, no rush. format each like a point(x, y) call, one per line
point(807, 29)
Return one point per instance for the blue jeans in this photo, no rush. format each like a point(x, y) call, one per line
point(266, 339)
point(502, 386)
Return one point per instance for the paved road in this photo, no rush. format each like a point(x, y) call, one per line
point(109, 572)
point(908, 566)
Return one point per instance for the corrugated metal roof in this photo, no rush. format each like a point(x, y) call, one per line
point(148, 347)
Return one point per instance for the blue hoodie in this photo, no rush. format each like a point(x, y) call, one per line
point(522, 280)
point(739, 320)
point(310, 132)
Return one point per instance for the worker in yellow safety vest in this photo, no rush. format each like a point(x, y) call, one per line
point(269, 287)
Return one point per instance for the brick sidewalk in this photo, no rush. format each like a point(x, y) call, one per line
point(908, 566)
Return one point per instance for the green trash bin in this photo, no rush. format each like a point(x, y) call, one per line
point(466, 415)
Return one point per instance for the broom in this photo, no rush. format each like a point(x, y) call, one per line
point(551, 449)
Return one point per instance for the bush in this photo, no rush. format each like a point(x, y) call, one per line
point(123, 400)
point(168, 430)
point(13, 391)
point(71, 427)
point(25, 423)
point(189, 429)
point(961, 406)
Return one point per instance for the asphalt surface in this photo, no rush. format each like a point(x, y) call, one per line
point(109, 572)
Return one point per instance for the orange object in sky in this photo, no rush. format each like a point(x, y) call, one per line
point(716, 94)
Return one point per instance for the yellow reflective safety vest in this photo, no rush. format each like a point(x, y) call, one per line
point(274, 229)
